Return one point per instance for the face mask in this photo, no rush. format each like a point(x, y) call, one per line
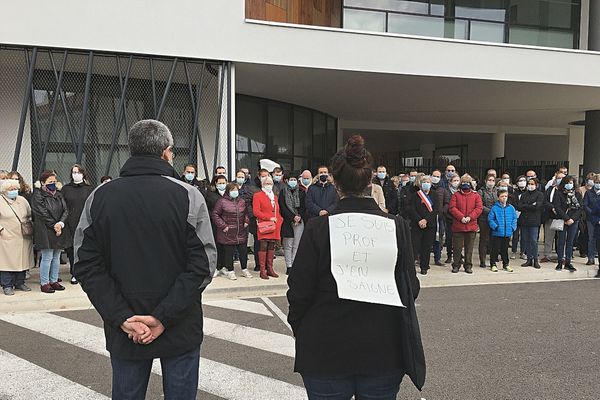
point(221, 187)
point(503, 188)
point(12, 194)
point(189, 176)
point(268, 189)
point(323, 177)
point(51, 187)
point(449, 175)
point(234, 194)
point(426, 186)
point(412, 179)
point(305, 181)
point(435, 180)
point(522, 184)
point(240, 181)
point(381, 175)
point(403, 183)
point(531, 188)
point(262, 178)
point(454, 184)
point(557, 181)
point(569, 186)
point(277, 178)
point(77, 178)
point(590, 183)
point(597, 186)
point(490, 185)
point(292, 184)
point(506, 180)
point(466, 187)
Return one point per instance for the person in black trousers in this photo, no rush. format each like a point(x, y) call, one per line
point(423, 211)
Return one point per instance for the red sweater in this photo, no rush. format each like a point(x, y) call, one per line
point(465, 205)
point(263, 211)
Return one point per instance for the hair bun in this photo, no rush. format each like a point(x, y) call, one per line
point(355, 152)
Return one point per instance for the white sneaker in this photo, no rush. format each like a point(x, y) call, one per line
point(231, 276)
point(246, 274)
point(217, 272)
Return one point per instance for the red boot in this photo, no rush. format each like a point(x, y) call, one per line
point(270, 269)
point(262, 260)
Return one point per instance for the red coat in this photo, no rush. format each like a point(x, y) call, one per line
point(465, 205)
point(263, 211)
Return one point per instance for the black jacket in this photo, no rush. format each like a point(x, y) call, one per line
point(320, 197)
point(336, 336)
point(563, 211)
point(75, 196)
point(405, 196)
point(548, 213)
point(391, 194)
point(287, 229)
point(531, 206)
point(47, 210)
point(418, 211)
point(144, 246)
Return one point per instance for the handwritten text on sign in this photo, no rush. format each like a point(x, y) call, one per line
point(363, 258)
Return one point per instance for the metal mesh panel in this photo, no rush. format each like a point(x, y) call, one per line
point(80, 106)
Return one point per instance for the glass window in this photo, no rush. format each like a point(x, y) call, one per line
point(364, 20)
point(541, 37)
point(489, 10)
point(250, 125)
point(414, 6)
point(551, 13)
point(331, 136)
point(319, 135)
point(302, 132)
point(279, 136)
point(487, 31)
point(427, 26)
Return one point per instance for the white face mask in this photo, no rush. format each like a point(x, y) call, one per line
point(77, 177)
point(435, 180)
point(268, 188)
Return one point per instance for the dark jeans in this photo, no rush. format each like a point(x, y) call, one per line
point(71, 256)
point(422, 241)
point(517, 238)
point(242, 250)
point(499, 247)
point(591, 247)
point(484, 240)
point(12, 279)
point(448, 243)
point(566, 238)
point(529, 237)
point(363, 387)
point(460, 241)
point(180, 377)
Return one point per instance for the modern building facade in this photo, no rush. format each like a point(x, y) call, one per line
point(510, 83)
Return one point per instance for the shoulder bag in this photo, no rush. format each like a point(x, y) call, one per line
point(266, 227)
point(557, 225)
point(26, 227)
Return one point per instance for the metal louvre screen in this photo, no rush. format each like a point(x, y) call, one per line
point(60, 107)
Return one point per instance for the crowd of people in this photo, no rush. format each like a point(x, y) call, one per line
point(268, 212)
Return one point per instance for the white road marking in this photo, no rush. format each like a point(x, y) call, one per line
point(241, 305)
point(19, 374)
point(216, 378)
point(252, 337)
point(277, 311)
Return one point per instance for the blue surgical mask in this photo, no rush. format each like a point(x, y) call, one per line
point(189, 176)
point(221, 186)
point(234, 194)
point(292, 184)
point(240, 181)
point(426, 186)
point(381, 175)
point(51, 187)
point(12, 194)
point(277, 178)
point(590, 182)
point(449, 175)
point(557, 181)
point(569, 186)
point(597, 186)
point(305, 181)
point(412, 178)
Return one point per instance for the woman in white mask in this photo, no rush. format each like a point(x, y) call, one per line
point(265, 207)
point(75, 193)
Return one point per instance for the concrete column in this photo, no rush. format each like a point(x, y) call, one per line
point(576, 141)
point(498, 144)
point(594, 26)
point(591, 145)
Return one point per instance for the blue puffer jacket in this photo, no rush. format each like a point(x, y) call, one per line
point(502, 220)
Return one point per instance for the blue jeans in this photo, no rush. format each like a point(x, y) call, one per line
point(591, 250)
point(12, 279)
point(363, 387)
point(180, 377)
point(529, 236)
point(566, 238)
point(517, 238)
point(49, 266)
point(437, 251)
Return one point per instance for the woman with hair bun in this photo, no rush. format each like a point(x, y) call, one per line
point(352, 293)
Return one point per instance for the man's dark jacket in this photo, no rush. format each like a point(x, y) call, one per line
point(390, 193)
point(336, 336)
point(320, 197)
point(144, 246)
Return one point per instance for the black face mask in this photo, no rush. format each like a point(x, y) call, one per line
point(323, 178)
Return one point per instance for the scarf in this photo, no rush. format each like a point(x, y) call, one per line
point(426, 200)
point(292, 199)
point(572, 202)
point(271, 196)
point(52, 193)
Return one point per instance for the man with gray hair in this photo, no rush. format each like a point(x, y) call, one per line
point(144, 252)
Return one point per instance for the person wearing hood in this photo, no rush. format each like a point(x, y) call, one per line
point(568, 207)
point(16, 245)
point(292, 203)
point(230, 218)
point(50, 215)
point(489, 197)
point(502, 220)
point(530, 205)
point(321, 197)
point(590, 199)
point(75, 193)
point(265, 206)
point(465, 207)
point(389, 190)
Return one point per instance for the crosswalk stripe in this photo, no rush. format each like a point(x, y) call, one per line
point(48, 385)
point(216, 378)
point(252, 337)
point(240, 305)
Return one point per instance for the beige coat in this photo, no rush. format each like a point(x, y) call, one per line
point(16, 252)
point(377, 194)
